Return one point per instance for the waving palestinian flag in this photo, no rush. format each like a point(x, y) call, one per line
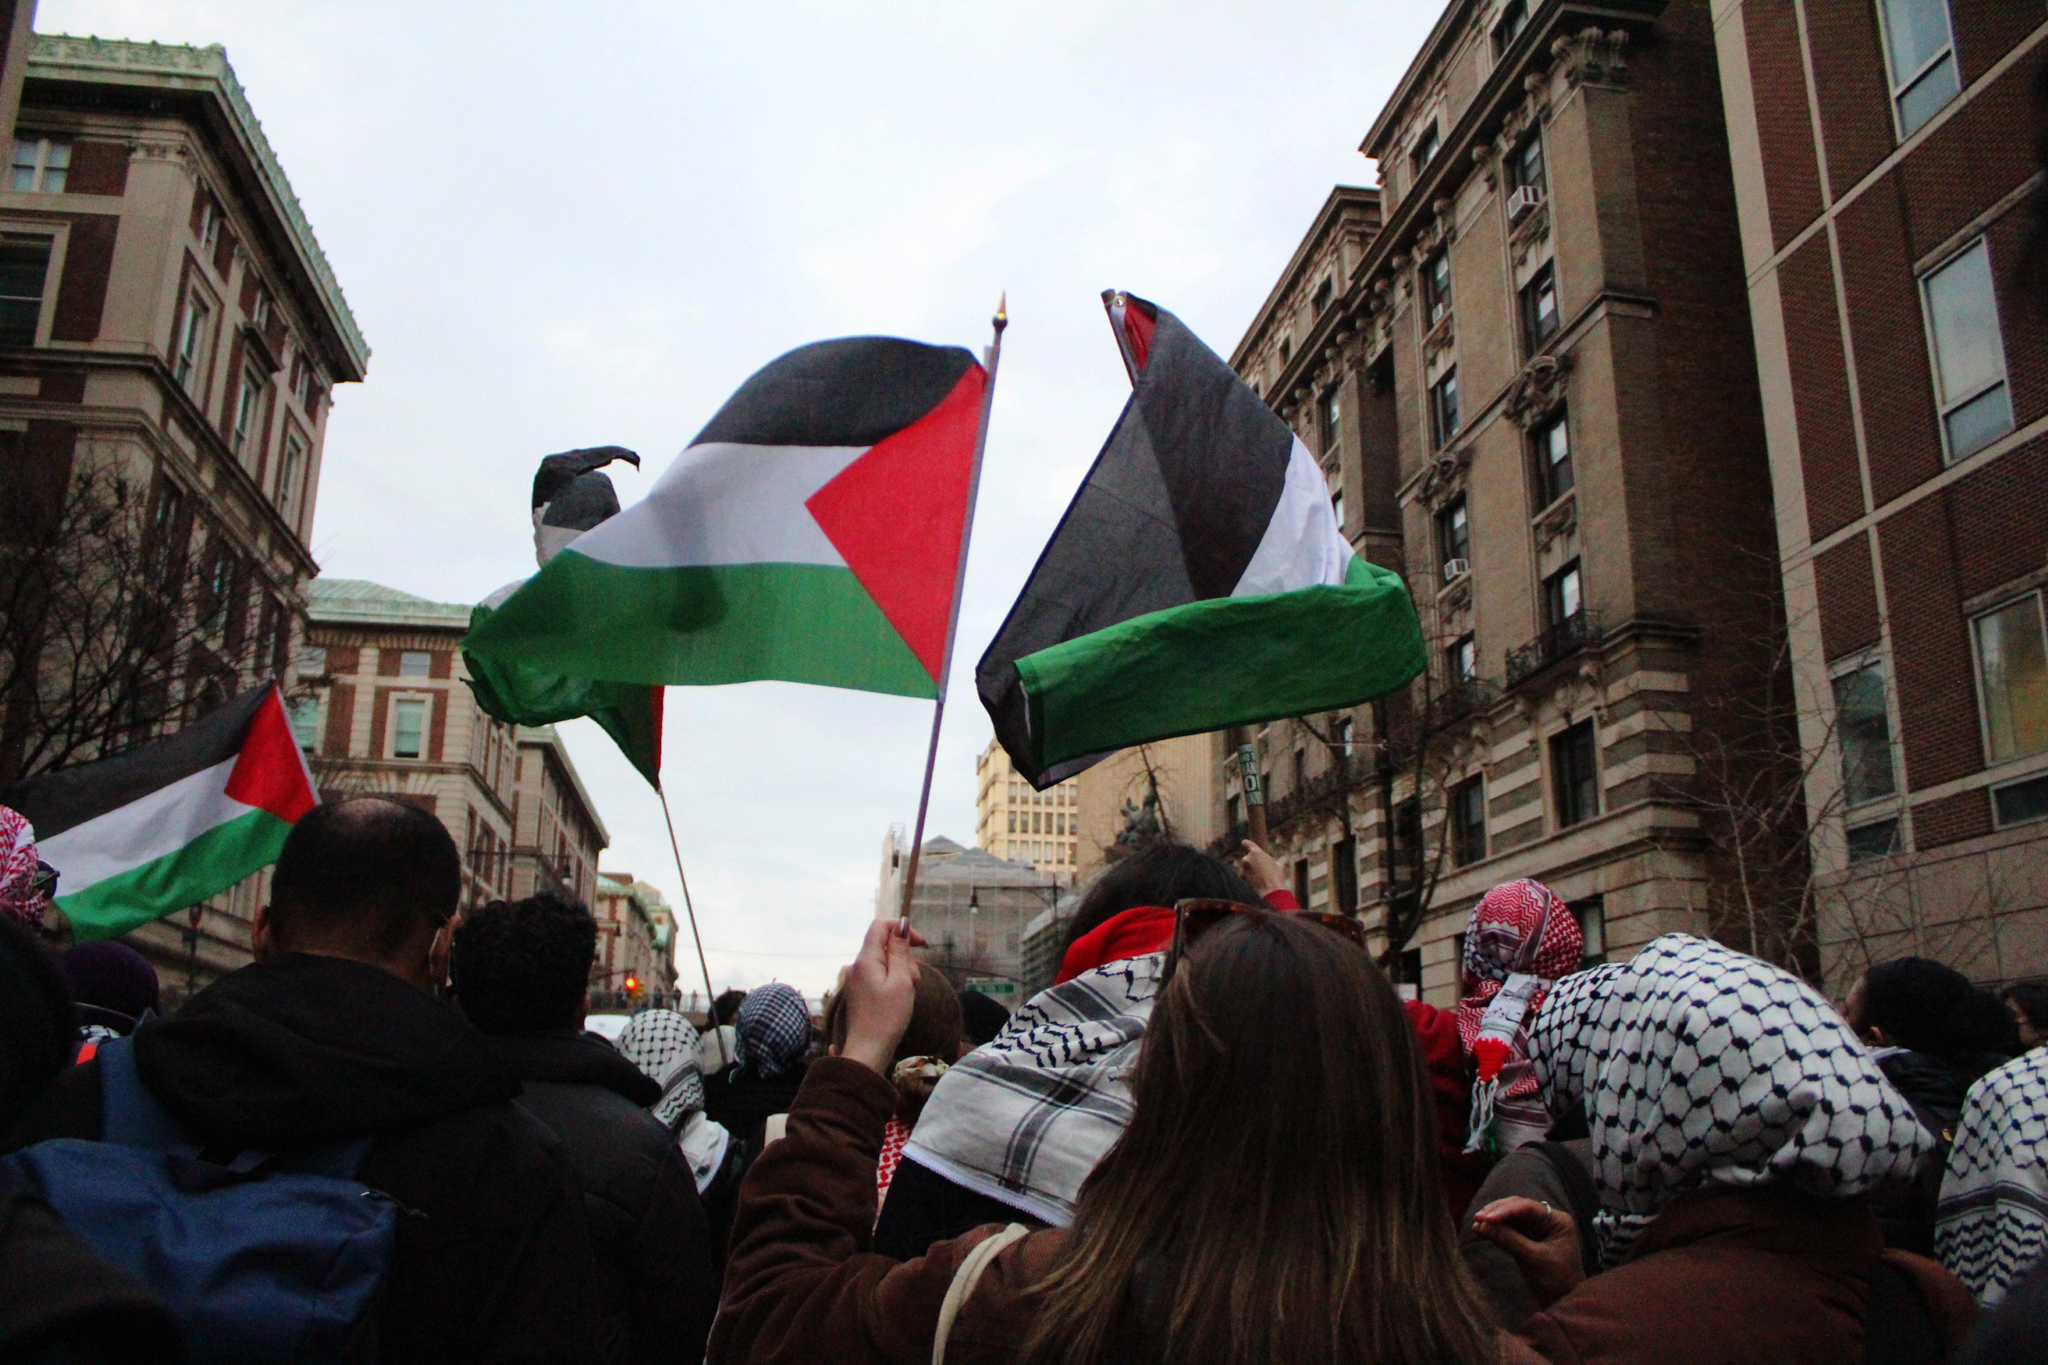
point(140, 836)
point(810, 533)
point(1199, 578)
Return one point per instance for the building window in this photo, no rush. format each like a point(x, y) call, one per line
point(1514, 17)
point(1286, 349)
point(248, 412)
point(1461, 660)
point(24, 267)
point(1969, 353)
point(1591, 913)
point(1864, 728)
point(1337, 507)
point(1329, 423)
point(190, 339)
point(208, 227)
point(1563, 596)
point(415, 663)
point(40, 165)
point(1436, 286)
point(1301, 882)
point(217, 587)
point(288, 475)
point(1468, 821)
point(1426, 148)
point(1300, 769)
point(1539, 308)
point(312, 661)
point(1454, 539)
point(1013, 823)
point(2012, 665)
point(1525, 166)
point(2021, 801)
point(1574, 769)
point(306, 723)
point(1326, 294)
point(1443, 406)
point(1344, 876)
point(1879, 839)
point(1553, 450)
point(408, 727)
point(1923, 59)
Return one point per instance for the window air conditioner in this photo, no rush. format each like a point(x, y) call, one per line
point(1455, 569)
point(1522, 201)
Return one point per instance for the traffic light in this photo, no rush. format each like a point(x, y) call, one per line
point(632, 985)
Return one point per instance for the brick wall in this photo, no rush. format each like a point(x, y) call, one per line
point(1849, 79)
point(1847, 590)
point(1930, 645)
point(1893, 377)
point(1820, 389)
point(1791, 168)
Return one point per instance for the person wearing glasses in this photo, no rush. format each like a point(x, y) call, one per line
point(1274, 1196)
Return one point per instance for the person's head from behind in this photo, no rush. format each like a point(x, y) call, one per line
point(112, 979)
point(774, 1027)
point(1927, 1006)
point(936, 1028)
point(524, 966)
point(982, 1017)
point(726, 1007)
point(1160, 875)
point(1276, 1195)
point(2027, 1001)
point(372, 879)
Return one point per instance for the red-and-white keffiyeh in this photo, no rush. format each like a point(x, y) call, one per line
point(1520, 932)
point(18, 864)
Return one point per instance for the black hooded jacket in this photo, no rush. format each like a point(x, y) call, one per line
point(657, 1289)
point(301, 1050)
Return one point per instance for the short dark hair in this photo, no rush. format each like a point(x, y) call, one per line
point(726, 1007)
point(523, 965)
point(371, 875)
point(1931, 1007)
point(1161, 875)
point(2032, 998)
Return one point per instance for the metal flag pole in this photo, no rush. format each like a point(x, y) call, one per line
point(991, 359)
point(710, 996)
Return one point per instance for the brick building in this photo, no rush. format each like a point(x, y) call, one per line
point(1882, 167)
point(1525, 362)
point(636, 937)
point(384, 709)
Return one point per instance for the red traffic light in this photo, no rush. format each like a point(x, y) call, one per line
point(632, 985)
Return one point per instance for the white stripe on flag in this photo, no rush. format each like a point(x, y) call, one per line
point(721, 503)
point(1303, 546)
point(142, 831)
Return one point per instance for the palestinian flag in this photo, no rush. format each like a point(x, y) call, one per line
point(812, 533)
point(162, 827)
point(1199, 579)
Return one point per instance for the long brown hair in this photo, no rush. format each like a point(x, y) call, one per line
point(1276, 1195)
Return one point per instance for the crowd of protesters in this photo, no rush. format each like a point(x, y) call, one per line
point(1221, 1135)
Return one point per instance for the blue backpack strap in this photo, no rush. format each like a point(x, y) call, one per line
point(129, 1114)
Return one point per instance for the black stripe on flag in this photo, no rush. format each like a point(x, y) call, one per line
point(1171, 513)
point(57, 801)
point(850, 392)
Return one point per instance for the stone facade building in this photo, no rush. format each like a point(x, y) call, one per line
point(556, 831)
point(1526, 364)
point(167, 319)
point(636, 938)
point(971, 906)
point(1164, 784)
point(1017, 824)
point(1883, 175)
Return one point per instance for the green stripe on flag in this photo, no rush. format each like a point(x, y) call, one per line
point(733, 623)
point(207, 866)
point(1223, 661)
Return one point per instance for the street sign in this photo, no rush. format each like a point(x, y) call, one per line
point(1005, 992)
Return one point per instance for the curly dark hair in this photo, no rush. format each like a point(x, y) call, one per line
point(520, 966)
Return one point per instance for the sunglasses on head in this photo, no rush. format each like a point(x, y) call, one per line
point(1194, 918)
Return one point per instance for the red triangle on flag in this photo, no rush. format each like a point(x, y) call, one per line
point(898, 513)
point(269, 774)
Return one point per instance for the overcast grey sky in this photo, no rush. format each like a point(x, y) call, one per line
point(583, 225)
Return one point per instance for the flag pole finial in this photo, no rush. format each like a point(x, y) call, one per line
point(1002, 317)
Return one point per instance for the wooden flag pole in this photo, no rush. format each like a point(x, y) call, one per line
point(991, 359)
point(710, 997)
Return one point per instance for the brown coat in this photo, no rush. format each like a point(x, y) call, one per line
point(802, 1286)
point(1759, 1276)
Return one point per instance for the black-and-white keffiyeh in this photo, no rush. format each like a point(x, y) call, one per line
point(1025, 1118)
point(1700, 1066)
point(664, 1045)
point(774, 1027)
point(1992, 1223)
